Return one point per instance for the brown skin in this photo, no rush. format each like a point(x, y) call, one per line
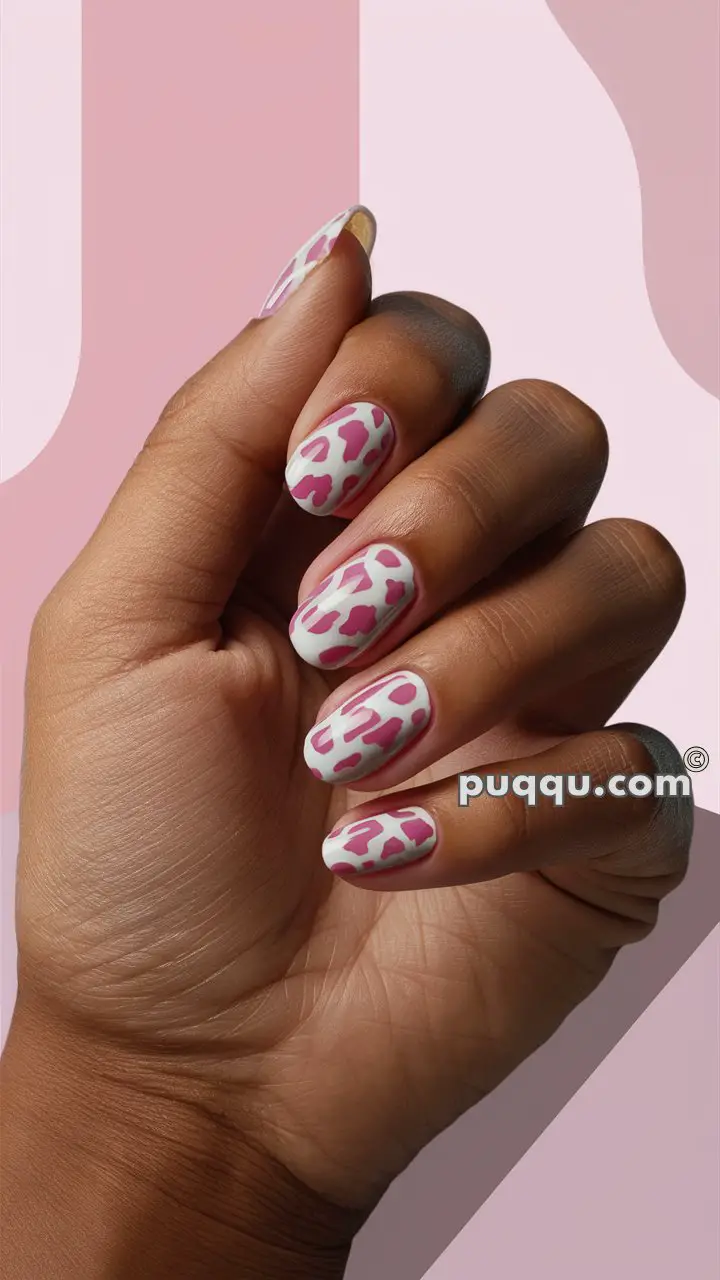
point(221, 1054)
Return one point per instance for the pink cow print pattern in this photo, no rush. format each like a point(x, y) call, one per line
point(357, 219)
point(369, 729)
point(340, 457)
point(380, 842)
point(352, 607)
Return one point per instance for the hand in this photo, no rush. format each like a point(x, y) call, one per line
point(183, 945)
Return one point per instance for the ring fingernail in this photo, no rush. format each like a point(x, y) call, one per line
point(340, 457)
point(369, 729)
point(352, 607)
point(380, 842)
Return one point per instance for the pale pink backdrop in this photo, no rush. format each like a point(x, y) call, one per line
point(551, 169)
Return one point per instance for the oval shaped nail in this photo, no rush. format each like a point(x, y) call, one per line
point(369, 729)
point(357, 219)
point(339, 458)
point(382, 841)
point(352, 607)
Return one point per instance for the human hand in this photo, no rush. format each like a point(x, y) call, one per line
point(182, 943)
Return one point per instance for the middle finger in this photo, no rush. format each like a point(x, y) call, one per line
point(531, 456)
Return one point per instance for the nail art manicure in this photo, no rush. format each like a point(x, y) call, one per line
point(385, 840)
point(339, 457)
point(352, 607)
point(356, 219)
point(369, 729)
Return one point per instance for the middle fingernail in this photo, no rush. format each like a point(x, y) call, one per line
point(353, 607)
point(340, 457)
point(369, 729)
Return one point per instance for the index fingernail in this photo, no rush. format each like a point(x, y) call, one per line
point(357, 219)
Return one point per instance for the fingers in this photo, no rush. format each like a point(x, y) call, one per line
point(608, 599)
point(426, 838)
point(400, 380)
point(529, 457)
point(185, 521)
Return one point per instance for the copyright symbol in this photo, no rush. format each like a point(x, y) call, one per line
point(696, 759)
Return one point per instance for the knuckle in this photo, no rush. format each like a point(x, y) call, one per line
point(514, 822)
point(460, 497)
point(649, 557)
point(550, 406)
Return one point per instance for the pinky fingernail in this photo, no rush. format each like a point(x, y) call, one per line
point(380, 842)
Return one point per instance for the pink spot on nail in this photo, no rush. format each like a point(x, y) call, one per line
point(363, 618)
point(378, 415)
point(335, 655)
point(359, 572)
point(369, 862)
point(417, 830)
point(388, 558)
point(371, 457)
point(370, 719)
point(395, 591)
point(349, 483)
point(322, 741)
point(323, 623)
point(316, 774)
point(385, 734)
point(276, 305)
point(317, 250)
point(343, 867)
point(356, 436)
point(316, 448)
point(403, 694)
point(349, 763)
point(385, 441)
point(359, 843)
point(419, 716)
point(319, 486)
point(392, 846)
point(339, 414)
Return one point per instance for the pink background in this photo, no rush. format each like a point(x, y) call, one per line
point(551, 165)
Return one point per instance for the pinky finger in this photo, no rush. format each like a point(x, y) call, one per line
point(427, 838)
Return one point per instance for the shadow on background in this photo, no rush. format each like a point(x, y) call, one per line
point(430, 1203)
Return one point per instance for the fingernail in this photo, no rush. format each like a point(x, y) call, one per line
point(356, 219)
point(339, 457)
point(369, 729)
point(347, 613)
point(378, 843)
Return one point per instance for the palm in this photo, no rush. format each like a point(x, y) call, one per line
point(206, 921)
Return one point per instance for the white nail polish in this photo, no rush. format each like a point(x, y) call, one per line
point(380, 842)
point(369, 729)
point(353, 607)
point(340, 457)
point(356, 219)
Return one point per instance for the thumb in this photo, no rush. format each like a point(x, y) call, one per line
point(164, 560)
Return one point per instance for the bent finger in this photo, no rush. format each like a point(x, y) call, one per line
point(400, 380)
point(524, 818)
point(168, 551)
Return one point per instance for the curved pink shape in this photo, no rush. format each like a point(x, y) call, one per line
point(659, 64)
point(169, 274)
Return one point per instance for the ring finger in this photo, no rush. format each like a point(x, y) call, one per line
point(606, 602)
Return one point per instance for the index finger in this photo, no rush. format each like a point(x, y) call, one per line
point(187, 517)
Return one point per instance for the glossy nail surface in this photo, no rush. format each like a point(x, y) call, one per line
point(356, 219)
point(378, 843)
point(353, 606)
point(369, 729)
point(340, 457)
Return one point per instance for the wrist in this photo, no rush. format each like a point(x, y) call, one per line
point(102, 1176)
